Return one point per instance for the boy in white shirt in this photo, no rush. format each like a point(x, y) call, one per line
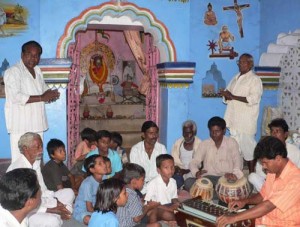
point(163, 188)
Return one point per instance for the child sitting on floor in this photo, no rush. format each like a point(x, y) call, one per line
point(111, 194)
point(116, 144)
point(108, 167)
point(103, 140)
point(163, 189)
point(86, 199)
point(134, 213)
point(87, 144)
point(55, 173)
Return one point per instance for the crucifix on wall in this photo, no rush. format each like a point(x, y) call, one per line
point(238, 10)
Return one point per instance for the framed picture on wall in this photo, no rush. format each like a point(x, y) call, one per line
point(128, 71)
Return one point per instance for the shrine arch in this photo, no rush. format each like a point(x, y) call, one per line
point(124, 13)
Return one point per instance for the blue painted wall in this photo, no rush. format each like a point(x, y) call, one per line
point(48, 18)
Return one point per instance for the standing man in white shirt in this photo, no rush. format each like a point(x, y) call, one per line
point(242, 96)
point(145, 152)
point(26, 94)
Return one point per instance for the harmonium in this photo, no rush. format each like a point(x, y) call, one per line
point(198, 213)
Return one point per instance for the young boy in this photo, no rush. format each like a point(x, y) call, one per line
point(134, 211)
point(116, 144)
point(103, 140)
point(88, 143)
point(55, 173)
point(19, 194)
point(163, 188)
point(108, 167)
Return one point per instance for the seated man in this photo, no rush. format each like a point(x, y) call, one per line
point(280, 130)
point(278, 202)
point(19, 194)
point(220, 156)
point(55, 206)
point(144, 153)
point(183, 151)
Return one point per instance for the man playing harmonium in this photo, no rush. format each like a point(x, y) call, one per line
point(220, 156)
point(278, 202)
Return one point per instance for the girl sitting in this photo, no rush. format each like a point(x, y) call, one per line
point(111, 195)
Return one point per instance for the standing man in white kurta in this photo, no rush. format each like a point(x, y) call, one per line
point(242, 97)
point(145, 152)
point(26, 94)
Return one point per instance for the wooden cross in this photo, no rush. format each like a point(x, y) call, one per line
point(238, 10)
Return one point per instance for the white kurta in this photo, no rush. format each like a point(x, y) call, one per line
point(139, 156)
point(8, 220)
point(19, 86)
point(21, 117)
point(240, 116)
point(65, 196)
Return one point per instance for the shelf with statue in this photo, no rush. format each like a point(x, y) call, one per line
point(130, 92)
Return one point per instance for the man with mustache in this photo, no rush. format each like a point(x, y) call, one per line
point(278, 202)
point(55, 206)
point(183, 151)
point(145, 152)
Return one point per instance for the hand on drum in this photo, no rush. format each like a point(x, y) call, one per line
point(230, 177)
point(200, 173)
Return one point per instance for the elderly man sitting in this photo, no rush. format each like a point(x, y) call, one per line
point(55, 206)
point(183, 151)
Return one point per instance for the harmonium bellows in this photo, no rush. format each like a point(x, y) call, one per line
point(198, 213)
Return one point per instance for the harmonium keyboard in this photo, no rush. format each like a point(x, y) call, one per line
point(198, 213)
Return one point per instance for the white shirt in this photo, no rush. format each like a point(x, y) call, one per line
point(47, 196)
point(8, 220)
point(240, 116)
point(158, 191)
point(139, 156)
point(19, 86)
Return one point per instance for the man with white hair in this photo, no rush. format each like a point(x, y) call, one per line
point(55, 206)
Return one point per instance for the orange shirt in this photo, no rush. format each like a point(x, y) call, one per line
point(284, 193)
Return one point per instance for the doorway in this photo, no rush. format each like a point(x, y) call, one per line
point(92, 26)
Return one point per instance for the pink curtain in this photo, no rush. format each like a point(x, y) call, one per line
point(134, 41)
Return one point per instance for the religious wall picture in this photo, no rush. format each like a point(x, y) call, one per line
point(223, 47)
point(128, 71)
point(239, 15)
point(212, 83)
point(13, 19)
point(210, 16)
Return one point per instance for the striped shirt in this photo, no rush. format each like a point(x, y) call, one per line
point(283, 192)
point(132, 209)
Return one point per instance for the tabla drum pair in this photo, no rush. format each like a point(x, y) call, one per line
point(225, 190)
